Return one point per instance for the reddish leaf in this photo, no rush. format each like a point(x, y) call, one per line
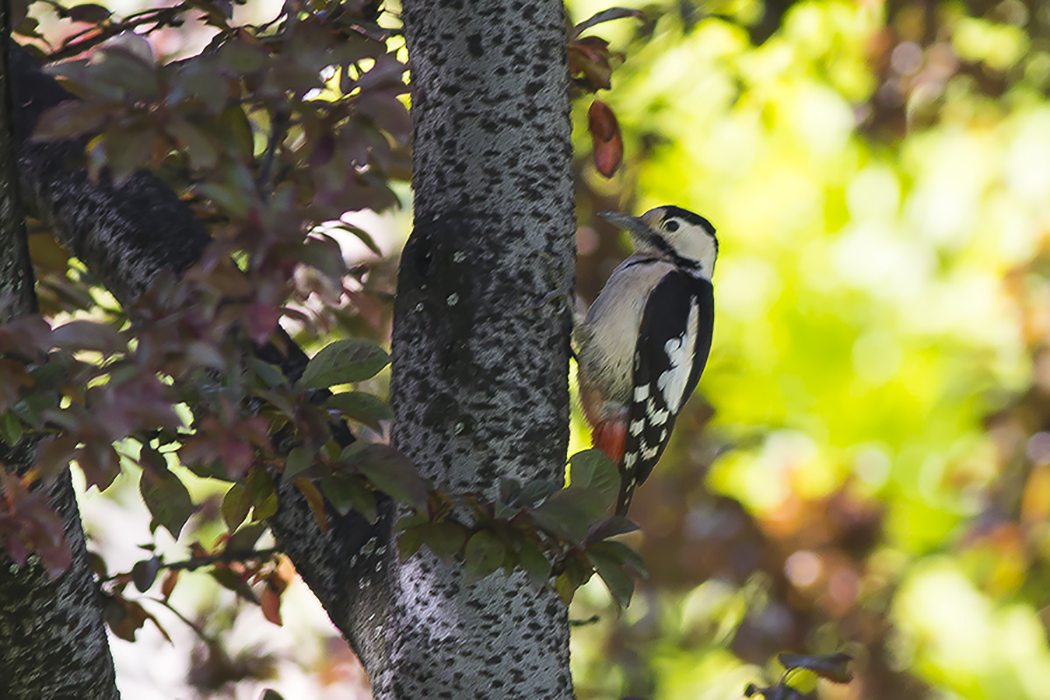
point(237, 455)
point(194, 143)
point(262, 321)
point(28, 523)
point(124, 618)
point(590, 63)
point(55, 454)
point(168, 585)
point(70, 119)
point(88, 335)
point(27, 336)
point(99, 462)
point(13, 377)
point(270, 600)
point(606, 138)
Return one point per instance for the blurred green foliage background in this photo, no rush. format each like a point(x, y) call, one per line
point(866, 466)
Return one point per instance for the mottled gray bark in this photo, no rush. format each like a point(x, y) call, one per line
point(52, 638)
point(480, 361)
point(16, 271)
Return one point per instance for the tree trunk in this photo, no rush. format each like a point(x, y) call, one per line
point(480, 363)
point(52, 638)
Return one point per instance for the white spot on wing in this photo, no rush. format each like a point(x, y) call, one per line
point(641, 393)
point(636, 427)
point(629, 459)
point(680, 352)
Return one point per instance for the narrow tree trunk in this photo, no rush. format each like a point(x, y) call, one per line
point(52, 638)
point(480, 360)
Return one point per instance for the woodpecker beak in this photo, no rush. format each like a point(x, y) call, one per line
point(633, 225)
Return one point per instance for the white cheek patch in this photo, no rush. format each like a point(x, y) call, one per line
point(680, 353)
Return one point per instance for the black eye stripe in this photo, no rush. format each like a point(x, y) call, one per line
point(671, 226)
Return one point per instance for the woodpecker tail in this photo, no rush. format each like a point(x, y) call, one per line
point(623, 498)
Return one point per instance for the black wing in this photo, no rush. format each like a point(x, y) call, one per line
point(669, 358)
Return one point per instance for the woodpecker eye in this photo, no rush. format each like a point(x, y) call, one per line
point(671, 226)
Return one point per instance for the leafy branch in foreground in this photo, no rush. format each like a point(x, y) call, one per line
point(545, 531)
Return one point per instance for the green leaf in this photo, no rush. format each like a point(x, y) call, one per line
point(270, 375)
point(410, 540)
point(361, 407)
point(235, 505)
point(616, 578)
point(534, 491)
point(484, 554)
point(347, 493)
point(337, 491)
point(266, 507)
point(392, 473)
point(535, 565)
point(264, 495)
point(10, 428)
point(621, 553)
point(509, 489)
point(244, 539)
point(592, 469)
point(344, 362)
point(299, 460)
point(503, 511)
point(610, 527)
point(575, 574)
point(570, 512)
point(167, 499)
point(445, 539)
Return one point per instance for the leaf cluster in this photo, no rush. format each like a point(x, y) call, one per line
point(558, 537)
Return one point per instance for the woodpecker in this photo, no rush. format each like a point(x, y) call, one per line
point(645, 340)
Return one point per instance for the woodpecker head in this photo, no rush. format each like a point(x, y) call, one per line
point(673, 233)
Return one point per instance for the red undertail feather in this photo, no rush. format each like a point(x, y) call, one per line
point(610, 436)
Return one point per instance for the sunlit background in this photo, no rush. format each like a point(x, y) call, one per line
point(866, 464)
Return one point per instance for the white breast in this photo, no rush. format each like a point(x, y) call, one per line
point(608, 336)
